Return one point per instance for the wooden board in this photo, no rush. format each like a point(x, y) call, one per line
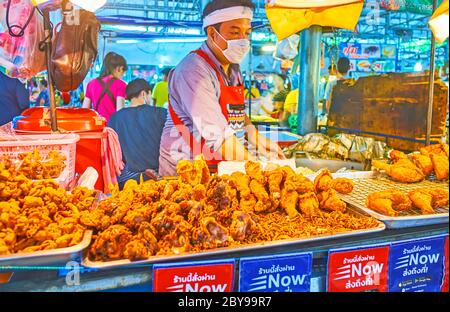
point(394, 105)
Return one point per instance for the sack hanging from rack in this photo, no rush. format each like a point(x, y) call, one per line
point(75, 48)
point(289, 17)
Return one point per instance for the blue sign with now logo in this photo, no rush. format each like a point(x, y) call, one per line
point(417, 265)
point(283, 273)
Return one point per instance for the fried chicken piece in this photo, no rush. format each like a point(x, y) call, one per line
point(110, 244)
point(241, 226)
point(424, 163)
point(323, 181)
point(274, 179)
point(402, 171)
point(248, 205)
point(389, 202)
point(287, 171)
point(194, 173)
point(195, 212)
point(220, 195)
point(309, 205)
point(423, 201)
point(263, 204)
point(289, 200)
point(199, 192)
point(440, 197)
point(216, 233)
point(137, 250)
point(146, 233)
point(330, 201)
point(428, 200)
point(445, 149)
point(343, 185)
point(7, 241)
point(437, 149)
point(397, 155)
point(381, 205)
point(242, 183)
point(440, 164)
point(254, 171)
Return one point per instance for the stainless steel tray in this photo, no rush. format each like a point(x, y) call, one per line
point(370, 182)
point(46, 257)
point(225, 251)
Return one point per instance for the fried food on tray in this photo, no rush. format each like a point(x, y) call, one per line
point(397, 155)
point(428, 199)
point(423, 201)
point(389, 202)
point(323, 181)
point(402, 171)
point(254, 171)
point(330, 201)
point(440, 164)
point(225, 212)
point(193, 173)
point(263, 204)
point(38, 215)
point(424, 163)
point(437, 149)
point(309, 205)
point(274, 179)
point(241, 226)
point(343, 185)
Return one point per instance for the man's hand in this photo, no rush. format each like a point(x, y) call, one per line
point(270, 149)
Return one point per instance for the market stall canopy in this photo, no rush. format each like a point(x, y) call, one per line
point(288, 17)
point(439, 22)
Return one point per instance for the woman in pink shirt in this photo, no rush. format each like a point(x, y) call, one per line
point(106, 94)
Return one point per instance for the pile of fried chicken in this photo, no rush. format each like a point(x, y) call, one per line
point(39, 215)
point(416, 167)
point(35, 166)
point(198, 212)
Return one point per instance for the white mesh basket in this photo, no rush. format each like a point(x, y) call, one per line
point(13, 146)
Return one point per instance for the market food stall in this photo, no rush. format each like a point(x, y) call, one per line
point(362, 217)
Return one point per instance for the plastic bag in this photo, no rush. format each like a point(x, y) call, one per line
point(287, 49)
point(20, 56)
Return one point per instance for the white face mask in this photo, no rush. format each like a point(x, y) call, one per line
point(237, 49)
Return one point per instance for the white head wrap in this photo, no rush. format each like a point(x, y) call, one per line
point(228, 14)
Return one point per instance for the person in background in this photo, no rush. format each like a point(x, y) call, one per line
point(253, 91)
point(14, 98)
point(343, 68)
point(139, 128)
point(43, 98)
point(277, 109)
point(161, 91)
point(106, 94)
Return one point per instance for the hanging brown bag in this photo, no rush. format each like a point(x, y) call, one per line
point(75, 48)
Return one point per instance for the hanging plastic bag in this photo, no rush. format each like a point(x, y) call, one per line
point(287, 49)
point(19, 42)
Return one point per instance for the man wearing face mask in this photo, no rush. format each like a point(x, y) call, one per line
point(206, 95)
point(139, 128)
